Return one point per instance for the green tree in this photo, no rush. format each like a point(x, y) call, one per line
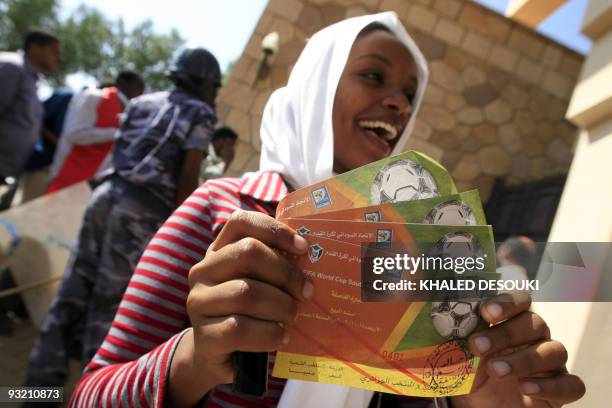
point(150, 53)
point(17, 16)
point(92, 42)
point(86, 36)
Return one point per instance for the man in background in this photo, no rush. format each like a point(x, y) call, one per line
point(516, 257)
point(220, 153)
point(20, 109)
point(90, 126)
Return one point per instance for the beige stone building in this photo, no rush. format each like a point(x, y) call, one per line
point(496, 101)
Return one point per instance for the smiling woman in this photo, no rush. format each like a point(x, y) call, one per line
point(374, 98)
point(363, 99)
point(350, 100)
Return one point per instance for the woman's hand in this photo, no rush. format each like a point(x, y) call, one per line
point(521, 366)
point(243, 295)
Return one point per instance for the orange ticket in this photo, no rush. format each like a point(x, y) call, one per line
point(406, 177)
point(455, 209)
point(383, 346)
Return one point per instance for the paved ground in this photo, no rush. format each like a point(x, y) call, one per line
point(14, 353)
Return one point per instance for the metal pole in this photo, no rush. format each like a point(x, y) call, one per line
point(29, 286)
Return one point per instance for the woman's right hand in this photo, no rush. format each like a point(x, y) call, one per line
point(242, 296)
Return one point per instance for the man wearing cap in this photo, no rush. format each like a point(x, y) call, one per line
point(155, 163)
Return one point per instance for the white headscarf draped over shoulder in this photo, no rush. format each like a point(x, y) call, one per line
point(296, 129)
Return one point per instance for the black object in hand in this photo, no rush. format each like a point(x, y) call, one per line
point(251, 376)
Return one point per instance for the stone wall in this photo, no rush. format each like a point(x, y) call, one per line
point(495, 103)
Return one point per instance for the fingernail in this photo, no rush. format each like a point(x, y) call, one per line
point(530, 388)
point(482, 343)
point(300, 242)
point(285, 339)
point(307, 290)
point(494, 310)
point(501, 368)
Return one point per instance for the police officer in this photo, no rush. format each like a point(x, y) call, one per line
point(155, 163)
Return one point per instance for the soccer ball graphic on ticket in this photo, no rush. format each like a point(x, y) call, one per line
point(402, 346)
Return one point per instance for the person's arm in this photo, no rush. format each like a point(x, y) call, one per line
point(240, 293)
point(194, 146)
point(188, 179)
point(145, 359)
point(49, 135)
point(10, 78)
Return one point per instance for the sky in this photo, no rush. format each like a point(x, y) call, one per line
point(562, 26)
point(224, 27)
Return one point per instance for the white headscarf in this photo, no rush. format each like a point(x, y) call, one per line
point(296, 129)
point(297, 142)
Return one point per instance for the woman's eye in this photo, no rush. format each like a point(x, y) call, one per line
point(410, 96)
point(373, 76)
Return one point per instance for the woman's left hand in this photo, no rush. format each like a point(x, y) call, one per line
point(521, 366)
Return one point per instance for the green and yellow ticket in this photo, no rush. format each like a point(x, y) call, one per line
point(399, 342)
point(406, 177)
point(399, 345)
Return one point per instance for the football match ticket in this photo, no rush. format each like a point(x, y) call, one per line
point(406, 177)
point(455, 209)
point(383, 346)
point(399, 340)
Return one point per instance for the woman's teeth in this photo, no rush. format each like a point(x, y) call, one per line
point(390, 130)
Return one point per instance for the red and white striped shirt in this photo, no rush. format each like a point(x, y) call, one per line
point(132, 365)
